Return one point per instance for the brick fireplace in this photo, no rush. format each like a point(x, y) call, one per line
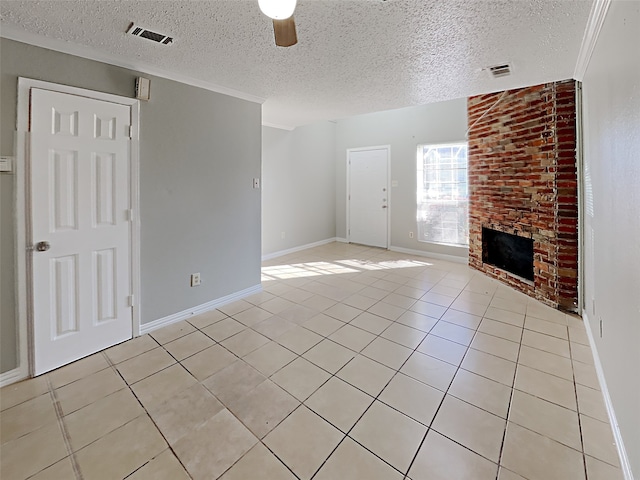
point(523, 182)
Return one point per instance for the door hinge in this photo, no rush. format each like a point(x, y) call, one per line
point(130, 131)
point(349, 197)
point(131, 215)
point(131, 300)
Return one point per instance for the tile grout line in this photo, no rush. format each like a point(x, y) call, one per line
point(66, 437)
point(260, 440)
point(406, 475)
point(335, 375)
point(117, 372)
point(513, 388)
point(458, 367)
point(376, 398)
point(575, 391)
point(226, 407)
point(359, 353)
point(65, 432)
point(301, 402)
point(415, 349)
point(346, 434)
point(178, 362)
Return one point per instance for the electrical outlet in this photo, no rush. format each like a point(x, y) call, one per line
point(195, 279)
point(410, 234)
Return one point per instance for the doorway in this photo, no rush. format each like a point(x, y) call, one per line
point(368, 202)
point(81, 232)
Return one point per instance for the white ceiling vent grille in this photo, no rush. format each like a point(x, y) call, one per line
point(498, 71)
point(139, 31)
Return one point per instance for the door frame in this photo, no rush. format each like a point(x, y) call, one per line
point(24, 294)
point(348, 195)
point(581, 201)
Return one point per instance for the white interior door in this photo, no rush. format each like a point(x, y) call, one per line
point(80, 225)
point(369, 197)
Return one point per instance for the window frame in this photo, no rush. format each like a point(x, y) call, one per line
point(421, 191)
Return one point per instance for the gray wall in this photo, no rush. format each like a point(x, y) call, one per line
point(404, 130)
point(7, 294)
point(298, 186)
point(199, 151)
point(611, 93)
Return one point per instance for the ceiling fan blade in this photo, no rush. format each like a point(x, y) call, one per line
point(285, 32)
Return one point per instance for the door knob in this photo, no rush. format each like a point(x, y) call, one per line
point(42, 246)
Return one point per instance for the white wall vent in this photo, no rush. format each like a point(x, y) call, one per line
point(498, 71)
point(139, 31)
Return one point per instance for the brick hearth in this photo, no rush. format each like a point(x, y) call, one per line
point(522, 180)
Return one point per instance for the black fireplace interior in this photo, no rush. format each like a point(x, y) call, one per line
point(509, 252)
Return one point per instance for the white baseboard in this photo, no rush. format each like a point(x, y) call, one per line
point(17, 374)
point(205, 307)
point(12, 376)
point(282, 253)
point(617, 435)
point(420, 253)
point(439, 256)
point(278, 126)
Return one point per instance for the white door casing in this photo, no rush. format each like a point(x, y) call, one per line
point(80, 153)
point(368, 196)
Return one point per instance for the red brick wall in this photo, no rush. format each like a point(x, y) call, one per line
point(523, 181)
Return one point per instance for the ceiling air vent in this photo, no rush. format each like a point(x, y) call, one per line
point(138, 31)
point(498, 71)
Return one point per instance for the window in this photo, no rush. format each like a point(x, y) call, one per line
point(443, 194)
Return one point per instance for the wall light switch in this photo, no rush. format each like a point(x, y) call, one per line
point(6, 164)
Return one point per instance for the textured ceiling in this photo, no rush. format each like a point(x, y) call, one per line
point(353, 56)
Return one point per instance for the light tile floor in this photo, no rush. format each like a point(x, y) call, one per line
point(353, 363)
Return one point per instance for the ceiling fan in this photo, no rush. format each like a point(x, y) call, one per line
point(284, 27)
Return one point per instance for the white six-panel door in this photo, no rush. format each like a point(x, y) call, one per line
point(368, 196)
point(80, 226)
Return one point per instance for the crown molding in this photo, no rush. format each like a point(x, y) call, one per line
point(11, 32)
point(594, 25)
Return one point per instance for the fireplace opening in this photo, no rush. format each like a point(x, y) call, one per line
point(508, 252)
